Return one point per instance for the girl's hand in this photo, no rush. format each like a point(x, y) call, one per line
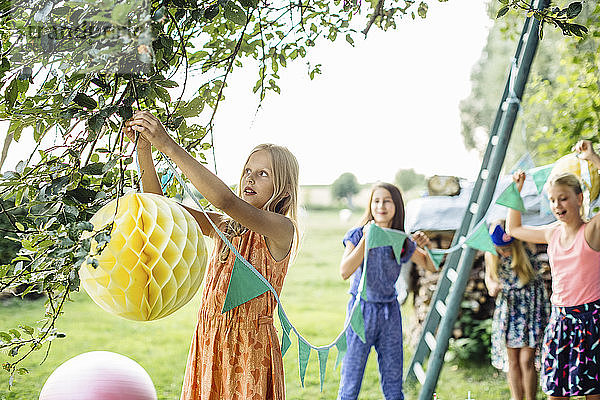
point(150, 129)
point(584, 149)
point(519, 179)
point(142, 143)
point(493, 288)
point(421, 239)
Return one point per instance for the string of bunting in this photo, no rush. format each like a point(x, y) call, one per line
point(247, 283)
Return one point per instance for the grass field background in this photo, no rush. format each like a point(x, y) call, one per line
point(314, 297)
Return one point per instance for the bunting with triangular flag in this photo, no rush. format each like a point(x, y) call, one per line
point(357, 321)
point(540, 176)
point(511, 198)
point(342, 346)
point(436, 257)
point(303, 356)
point(323, 355)
point(285, 331)
point(481, 240)
point(244, 285)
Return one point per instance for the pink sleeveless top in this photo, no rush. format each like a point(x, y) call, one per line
point(575, 270)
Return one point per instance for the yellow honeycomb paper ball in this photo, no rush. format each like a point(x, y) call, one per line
point(154, 262)
point(571, 163)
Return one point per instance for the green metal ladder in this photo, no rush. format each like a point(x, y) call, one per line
point(446, 299)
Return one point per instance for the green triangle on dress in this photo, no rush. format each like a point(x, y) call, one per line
point(511, 198)
point(244, 285)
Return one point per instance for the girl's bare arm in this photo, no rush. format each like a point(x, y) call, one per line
point(276, 227)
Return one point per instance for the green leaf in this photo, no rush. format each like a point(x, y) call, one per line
point(422, 10)
point(93, 169)
point(249, 3)
point(211, 11)
point(574, 9)
point(11, 93)
point(349, 39)
point(235, 13)
point(6, 338)
point(83, 100)
point(95, 123)
point(503, 10)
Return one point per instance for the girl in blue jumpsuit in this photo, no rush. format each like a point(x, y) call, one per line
point(381, 311)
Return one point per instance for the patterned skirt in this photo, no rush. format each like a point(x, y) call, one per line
point(571, 351)
point(519, 321)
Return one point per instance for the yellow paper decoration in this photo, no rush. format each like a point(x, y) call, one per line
point(570, 163)
point(154, 262)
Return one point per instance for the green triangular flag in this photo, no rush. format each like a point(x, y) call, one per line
point(511, 198)
point(436, 257)
point(342, 346)
point(303, 355)
point(285, 331)
point(357, 322)
point(481, 240)
point(244, 285)
point(540, 176)
point(379, 237)
point(323, 355)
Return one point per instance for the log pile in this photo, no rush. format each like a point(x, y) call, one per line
point(422, 284)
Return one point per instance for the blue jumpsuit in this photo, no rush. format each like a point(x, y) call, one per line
point(383, 324)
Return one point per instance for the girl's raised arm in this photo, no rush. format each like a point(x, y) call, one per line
point(278, 228)
point(592, 229)
point(352, 258)
point(514, 227)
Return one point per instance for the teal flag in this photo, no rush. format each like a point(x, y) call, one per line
point(323, 355)
point(481, 240)
point(244, 285)
point(436, 257)
point(342, 346)
point(380, 237)
point(286, 326)
point(303, 356)
point(357, 322)
point(540, 176)
point(511, 198)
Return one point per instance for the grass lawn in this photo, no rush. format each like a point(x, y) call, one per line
point(314, 297)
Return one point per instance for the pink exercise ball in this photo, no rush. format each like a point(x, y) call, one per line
point(99, 375)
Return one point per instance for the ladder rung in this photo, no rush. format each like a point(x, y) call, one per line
point(452, 275)
point(473, 208)
point(430, 340)
point(419, 373)
point(440, 307)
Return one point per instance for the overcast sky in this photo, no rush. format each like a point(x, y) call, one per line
point(390, 102)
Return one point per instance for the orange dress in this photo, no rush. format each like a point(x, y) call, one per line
point(236, 355)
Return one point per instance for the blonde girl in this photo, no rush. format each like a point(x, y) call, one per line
point(571, 346)
point(235, 355)
point(381, 311)
point(521, 314)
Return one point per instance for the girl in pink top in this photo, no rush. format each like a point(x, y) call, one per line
point(571, 347)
